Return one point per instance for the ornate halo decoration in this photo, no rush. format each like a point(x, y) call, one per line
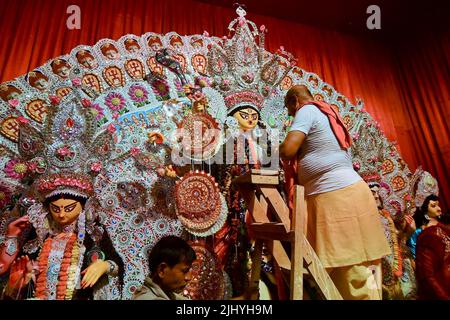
point(200, 136)
point(198, 201)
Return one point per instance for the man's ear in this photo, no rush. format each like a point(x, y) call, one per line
point(161, 269)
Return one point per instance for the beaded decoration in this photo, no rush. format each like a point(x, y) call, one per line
point(198, 200)
point(207, 281)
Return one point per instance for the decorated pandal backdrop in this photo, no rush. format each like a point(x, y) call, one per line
point(102, 123)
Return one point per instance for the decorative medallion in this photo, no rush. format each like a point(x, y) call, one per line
point(200, 137)
point(198, 202)
point(62, 92)
point(199, 62)
point(348, 122)
point(286, 83)
point(114, 76)
point(155, 67)
point(387, 166)
point(135, 69)
point(92, 81)
point(216, 227)
point(9, 128)
point(37, 110)
point(399, 183)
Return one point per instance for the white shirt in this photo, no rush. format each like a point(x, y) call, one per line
point(323, 165)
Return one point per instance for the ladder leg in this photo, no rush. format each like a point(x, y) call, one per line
point(256, 265)
point(296, 290)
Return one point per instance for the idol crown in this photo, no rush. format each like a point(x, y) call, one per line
point(242, 70)
point(69, 151)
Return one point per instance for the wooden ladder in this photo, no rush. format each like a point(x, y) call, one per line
point(259, 190)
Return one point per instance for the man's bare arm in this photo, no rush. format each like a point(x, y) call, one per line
point(291, 144)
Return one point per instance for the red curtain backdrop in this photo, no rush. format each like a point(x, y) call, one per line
point(404, 86)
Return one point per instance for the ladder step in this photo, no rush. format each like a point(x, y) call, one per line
point(265, 172)
point(270, 231)
point(257, 179)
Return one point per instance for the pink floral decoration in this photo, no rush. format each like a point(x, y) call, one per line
point(356, 166)
point(23, 120)
point(115, 115)
point(138, 93)
point(115, 101)
point(64, 151)
point(16, 169)
point(161, 87)
point(98, 111)
point(134, 151)
point(96, 167)
point(86, 102)
point(66, 182)
point(111, 128)
point(76, 82)
point(32, 166)
point(54, 100)
point(37, 165)
point(200, 79)
point(13, 103)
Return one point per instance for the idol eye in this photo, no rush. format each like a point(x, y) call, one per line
point(55, 208)
point(70, 207)
point(244, 115)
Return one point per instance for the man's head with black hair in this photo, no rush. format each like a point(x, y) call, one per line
point(170, 262)
point(375, 188)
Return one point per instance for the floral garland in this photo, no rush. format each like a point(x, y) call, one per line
point(397, 267)
point(66, 277)
point(65, 265)
point(71, 281)
point(43, 265)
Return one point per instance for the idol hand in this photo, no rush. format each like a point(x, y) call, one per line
point(93, 273)
point(16, 227)
point(21, 273)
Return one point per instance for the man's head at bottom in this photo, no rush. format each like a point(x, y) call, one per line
point(170, 262)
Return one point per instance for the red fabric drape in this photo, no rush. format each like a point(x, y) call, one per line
point(404, 88)
point(424, 74)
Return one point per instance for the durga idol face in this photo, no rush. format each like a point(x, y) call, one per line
point(247, 118)
point(65, 211)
